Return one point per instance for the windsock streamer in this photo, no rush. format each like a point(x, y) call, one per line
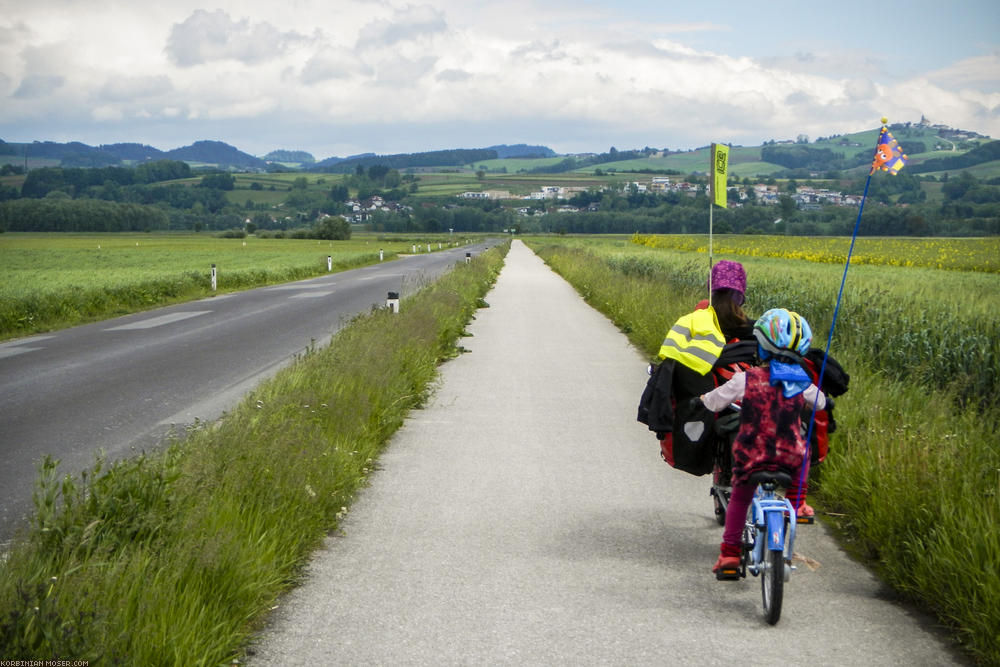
point(889, 155)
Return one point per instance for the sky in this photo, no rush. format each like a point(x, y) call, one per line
point(343, 77)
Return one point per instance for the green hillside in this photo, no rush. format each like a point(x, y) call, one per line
point(846, 153)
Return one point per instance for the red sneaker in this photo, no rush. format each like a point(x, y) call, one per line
point(727, 567)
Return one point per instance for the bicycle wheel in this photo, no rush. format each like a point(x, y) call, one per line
point(719, 505)
point(772, 580)
point(721, 479)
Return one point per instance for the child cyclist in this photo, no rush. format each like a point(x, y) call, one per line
point(772, 399)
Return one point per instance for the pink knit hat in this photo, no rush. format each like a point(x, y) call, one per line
point(729, 275)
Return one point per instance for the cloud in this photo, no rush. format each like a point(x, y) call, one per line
point(453, 75)
point(211, 36)
point(981, 73)
point(333, 63)
point(35, 86)
point(408, 24)
point(577, 77)
point(129, 88)
point(401, 71)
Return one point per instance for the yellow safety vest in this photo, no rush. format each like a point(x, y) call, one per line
point(695, 340)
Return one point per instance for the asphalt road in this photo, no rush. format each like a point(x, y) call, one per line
point(122, 385)
point(525, 518)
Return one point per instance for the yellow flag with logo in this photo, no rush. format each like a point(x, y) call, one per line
point(720, 171)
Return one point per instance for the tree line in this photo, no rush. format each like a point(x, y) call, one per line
point(134, 199)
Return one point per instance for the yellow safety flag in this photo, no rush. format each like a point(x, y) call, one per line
point(720, 171)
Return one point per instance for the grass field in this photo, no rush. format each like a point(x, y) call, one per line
point(912, 475)
point(977, 255)
point(54, 280)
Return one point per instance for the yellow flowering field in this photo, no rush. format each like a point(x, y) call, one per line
point(953, 254)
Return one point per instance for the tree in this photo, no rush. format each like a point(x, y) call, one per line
point(333, 228)
point(787, 206)
point(220, 181)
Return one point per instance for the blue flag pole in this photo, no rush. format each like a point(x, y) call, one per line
point(833, 324)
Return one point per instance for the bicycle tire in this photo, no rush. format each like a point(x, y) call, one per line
point(772, 582)
point(720, 511)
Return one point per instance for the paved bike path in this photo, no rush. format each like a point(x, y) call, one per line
point(524, 517)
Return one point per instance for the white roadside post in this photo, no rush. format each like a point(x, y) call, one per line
point(468, 257)
point(329, 263)
point(215, 281)
point(392, 302)
point(380, 255)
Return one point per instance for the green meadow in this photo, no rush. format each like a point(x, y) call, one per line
point(49, 281)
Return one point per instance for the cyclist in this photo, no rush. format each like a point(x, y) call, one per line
point(702, 341)
point(772, 398)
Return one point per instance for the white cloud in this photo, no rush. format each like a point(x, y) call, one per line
point(408, 24)
point(210, 36)
point(334, 63)
point(130, 88)
point(38, 85)
point(980, 73)
point(575, 76)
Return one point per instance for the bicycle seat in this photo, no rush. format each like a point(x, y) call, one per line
point(778, 478)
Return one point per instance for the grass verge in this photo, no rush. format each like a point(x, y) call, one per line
point(912, 474)
point(175, 557)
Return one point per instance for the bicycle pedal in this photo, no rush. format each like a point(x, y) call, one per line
point(805, 519)
point(727, 574)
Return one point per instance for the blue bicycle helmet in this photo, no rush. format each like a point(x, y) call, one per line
point(783, 333)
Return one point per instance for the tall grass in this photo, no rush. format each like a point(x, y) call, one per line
point(174, 558)
point(914, 467)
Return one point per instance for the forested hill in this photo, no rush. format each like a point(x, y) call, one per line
point(985, 153)
point(215, 152)
point(448, 158)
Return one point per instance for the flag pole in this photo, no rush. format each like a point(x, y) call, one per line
point(711, 199)
point(836, 312)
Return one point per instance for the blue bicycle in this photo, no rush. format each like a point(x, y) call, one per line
point(769, 540)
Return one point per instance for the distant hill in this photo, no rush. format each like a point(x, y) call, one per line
point(449, 158)
point(72, 154)
point(931, 148)
point(132, 152)
point(291, 157)
point(76, 154)
point(522, 151)
point(217, 153)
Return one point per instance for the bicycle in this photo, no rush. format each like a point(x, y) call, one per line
point(725, 427)
point(768, 541)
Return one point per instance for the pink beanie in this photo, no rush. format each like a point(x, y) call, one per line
point(729, 275)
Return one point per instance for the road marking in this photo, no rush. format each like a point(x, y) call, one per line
point(310, 295)
point(378, 277)
point(159, 321)
point(13, 351)
point(298, 287)
point(15, 347)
